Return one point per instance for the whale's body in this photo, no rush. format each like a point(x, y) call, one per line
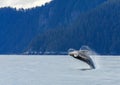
point(82, 55)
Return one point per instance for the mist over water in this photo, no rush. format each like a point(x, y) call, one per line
point(89, 50)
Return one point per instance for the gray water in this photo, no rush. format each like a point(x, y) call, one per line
point(58, 70)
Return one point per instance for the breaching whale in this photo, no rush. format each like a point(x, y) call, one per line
point(83, 56)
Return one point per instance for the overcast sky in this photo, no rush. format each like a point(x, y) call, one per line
point(22, 3)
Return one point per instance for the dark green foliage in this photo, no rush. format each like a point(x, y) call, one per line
point(97, 28)
point(18, 28)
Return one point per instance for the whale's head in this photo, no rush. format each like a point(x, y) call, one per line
point(73, 53)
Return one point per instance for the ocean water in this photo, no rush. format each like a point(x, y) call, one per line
point(58, 70)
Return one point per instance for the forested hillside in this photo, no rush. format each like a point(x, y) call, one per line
point(18, 28)
point(97, 28)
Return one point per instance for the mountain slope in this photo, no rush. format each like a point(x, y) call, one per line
point(18, 28)
point(97, 28)
point(60, 13)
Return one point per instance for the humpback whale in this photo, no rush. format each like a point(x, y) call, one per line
point(83, 56)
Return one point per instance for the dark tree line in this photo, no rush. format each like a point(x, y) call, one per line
point(56, 26)
point(97, 28)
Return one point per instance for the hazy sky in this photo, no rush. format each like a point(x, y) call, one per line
point(22, 3)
